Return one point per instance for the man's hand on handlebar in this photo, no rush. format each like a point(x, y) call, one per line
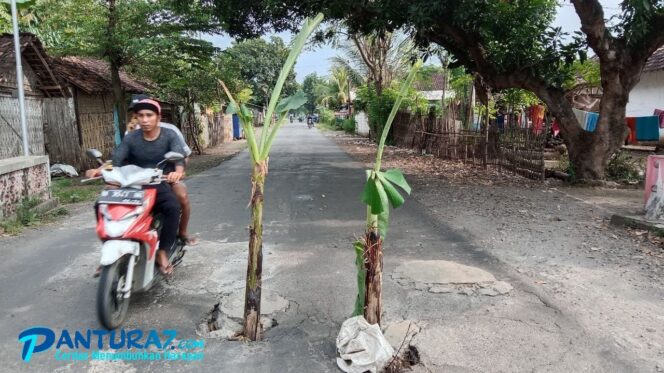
point(174, 176)
point(92, 173)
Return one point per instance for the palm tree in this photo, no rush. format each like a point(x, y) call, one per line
point(375, 58)
point(335, 90)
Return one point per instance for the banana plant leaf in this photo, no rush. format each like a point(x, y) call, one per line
point(381, 190)
point(293, 102)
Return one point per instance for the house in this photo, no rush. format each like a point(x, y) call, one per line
point(86, 118)
point(433, 90)
point(20, 176)
point(648, 94)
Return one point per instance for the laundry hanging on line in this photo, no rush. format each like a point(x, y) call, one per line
point(660, 114)
point(647, 128)
point(587, 120)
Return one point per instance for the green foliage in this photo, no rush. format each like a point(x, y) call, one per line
point(334, 92)
point(70, 191)
point(259, 62)
point(309, 87)
point(326, 116)
point(25, 213)
point(260, 148)
point(155, 40)
point(585, 73)
point(381, 190)
point(623, 168)
point(378, 107)
point(425, 77)
point(348, 125)
point(516, 99)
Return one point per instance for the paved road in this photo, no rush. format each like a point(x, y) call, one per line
point(312, 215)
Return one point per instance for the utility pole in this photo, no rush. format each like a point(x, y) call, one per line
point(19, 80)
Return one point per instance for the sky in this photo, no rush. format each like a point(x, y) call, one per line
point(317, 60)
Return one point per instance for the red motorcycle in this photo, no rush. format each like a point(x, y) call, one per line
point(129, 232)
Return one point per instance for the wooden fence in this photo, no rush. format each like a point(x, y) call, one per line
point(512, 148)
point(62, 142)
point(11, 140)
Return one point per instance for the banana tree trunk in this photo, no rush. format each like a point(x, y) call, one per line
point(373, 264)
point(252, 298)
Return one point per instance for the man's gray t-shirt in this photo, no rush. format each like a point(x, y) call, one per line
point(135, 150)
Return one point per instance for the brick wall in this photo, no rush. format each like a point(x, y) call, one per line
point(22, 177)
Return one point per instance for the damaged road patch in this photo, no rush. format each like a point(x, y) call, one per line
point(441, 276)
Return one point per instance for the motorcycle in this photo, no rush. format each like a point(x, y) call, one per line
point(310, 123)
point(130, 233)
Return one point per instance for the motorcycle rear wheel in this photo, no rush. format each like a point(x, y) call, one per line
point(111, 304)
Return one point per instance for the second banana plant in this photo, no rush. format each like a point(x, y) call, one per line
point(380, 191)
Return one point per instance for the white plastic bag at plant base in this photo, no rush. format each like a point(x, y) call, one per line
point(63, 169)
point(655, 205)
point(362, 347)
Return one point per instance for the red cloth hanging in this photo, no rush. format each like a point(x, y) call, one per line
point(631, 124)
point(537, 118)
point(555, 127)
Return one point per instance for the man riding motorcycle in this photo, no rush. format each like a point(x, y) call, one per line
point(145, 149)
point(179, 188)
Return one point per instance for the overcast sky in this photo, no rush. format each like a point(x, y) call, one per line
point(317, 61)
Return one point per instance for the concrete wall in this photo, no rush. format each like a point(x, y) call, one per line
point(362, 124)
point(22, 177)
point(648, 95)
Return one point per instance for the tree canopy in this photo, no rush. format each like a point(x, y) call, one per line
point(258, 62)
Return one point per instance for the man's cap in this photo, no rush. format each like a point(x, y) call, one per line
point(136, 98)
point(146, 104)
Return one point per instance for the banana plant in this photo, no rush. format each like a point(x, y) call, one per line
point(259, 149)
point(380, 192)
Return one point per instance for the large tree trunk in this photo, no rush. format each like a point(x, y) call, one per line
point(252, 297)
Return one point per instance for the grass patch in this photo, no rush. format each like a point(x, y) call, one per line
point(73, 191)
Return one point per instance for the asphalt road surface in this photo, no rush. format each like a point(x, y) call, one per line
point(312, 215)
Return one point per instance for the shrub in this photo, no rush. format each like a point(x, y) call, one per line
point(623, 168)
point(348, 125)
point(25, 213)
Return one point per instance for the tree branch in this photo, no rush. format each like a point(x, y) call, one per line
point(591, 15)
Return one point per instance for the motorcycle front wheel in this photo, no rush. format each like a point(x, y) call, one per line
point(111, 304)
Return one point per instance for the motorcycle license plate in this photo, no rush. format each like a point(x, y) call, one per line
point(121, 196)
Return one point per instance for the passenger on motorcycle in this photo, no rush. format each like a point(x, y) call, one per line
point(146, 148)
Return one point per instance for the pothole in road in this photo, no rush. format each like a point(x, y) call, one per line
point(441, 276)
point(225, 318)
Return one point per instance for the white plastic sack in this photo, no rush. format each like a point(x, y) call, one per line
point(362, 347)
point(655, 205)
point(63, 169)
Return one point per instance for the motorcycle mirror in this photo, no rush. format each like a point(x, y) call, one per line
point(173, 156)
point(93, 153)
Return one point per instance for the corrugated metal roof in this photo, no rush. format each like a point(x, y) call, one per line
point(656, 61)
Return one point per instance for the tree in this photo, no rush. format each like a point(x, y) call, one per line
point(124, 32)
point(334, 92)
point(309, 87)
point(259, 62)
point(510, 44)
point(377, 58)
